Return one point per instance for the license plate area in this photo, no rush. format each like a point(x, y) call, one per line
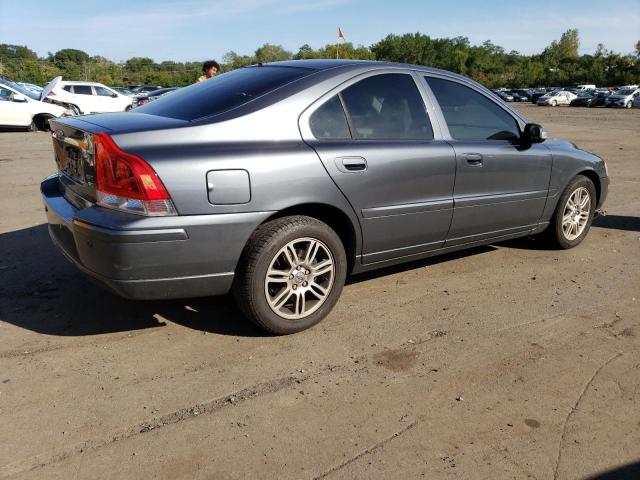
point(72, 164)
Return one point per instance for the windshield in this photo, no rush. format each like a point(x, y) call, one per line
point(585, 94)
point(223, 92)
point(626, 91)
point(21, 89)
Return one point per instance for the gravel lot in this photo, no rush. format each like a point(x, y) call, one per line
point(502, 362)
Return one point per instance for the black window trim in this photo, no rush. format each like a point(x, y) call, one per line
point(426, 75)
point(337, 90)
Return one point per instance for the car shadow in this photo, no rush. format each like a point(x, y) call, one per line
point(618, 222)
point(630, 471)
point(41, 291)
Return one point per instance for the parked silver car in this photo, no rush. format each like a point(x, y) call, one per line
point(558, 97)
point(277, 181)
point(623, 98)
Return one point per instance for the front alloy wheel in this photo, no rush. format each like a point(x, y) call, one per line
point(574, 213)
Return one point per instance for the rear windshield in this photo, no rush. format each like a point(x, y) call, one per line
point(223, 92)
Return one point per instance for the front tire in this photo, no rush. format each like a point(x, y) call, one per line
point(554, 104)
point(574, 214)
point(290, 275)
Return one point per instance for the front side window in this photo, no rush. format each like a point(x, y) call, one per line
point(82, 90)
point(103, 92)
point(328, 122)
point(470, 115)
point(5, 94)
point(387, 107)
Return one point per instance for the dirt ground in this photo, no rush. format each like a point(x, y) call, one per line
point(503, 362)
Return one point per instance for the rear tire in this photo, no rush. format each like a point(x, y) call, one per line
point(290, 275)
point(574, 213)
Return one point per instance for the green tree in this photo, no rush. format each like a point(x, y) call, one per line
point(272, 53)
point(70, 56)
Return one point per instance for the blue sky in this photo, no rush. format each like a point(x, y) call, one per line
point(201, 29)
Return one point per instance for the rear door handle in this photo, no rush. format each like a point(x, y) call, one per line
point(473, 158)
point(351, 164)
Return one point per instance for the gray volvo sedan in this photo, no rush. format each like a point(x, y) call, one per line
point(277, 181)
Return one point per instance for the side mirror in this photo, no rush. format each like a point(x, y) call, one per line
point(114, 95)
point(18, 97)
point(533, 133)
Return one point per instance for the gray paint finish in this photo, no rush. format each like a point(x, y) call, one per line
point(229, 173)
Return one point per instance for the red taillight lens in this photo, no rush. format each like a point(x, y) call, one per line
point(51, 94)
point(126, 182)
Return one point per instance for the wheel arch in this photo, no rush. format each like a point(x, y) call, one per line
point(593, 176)
point(41, 120)
point(335, 218)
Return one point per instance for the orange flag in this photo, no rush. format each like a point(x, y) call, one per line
point(340, 34)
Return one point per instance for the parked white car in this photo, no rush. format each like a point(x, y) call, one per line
point(559, 97)
point(18, 109)
point(86, 97)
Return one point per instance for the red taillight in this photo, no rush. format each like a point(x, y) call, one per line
point(126, 182)
point(51, 94)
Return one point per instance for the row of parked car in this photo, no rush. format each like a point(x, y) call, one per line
point(30, 106)
point(25, 105)
point(581, 96)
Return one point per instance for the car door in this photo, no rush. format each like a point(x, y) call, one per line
point(375, 138)
point(85, 98)
point(104, 99)
point(501, 186)
point(13, 113)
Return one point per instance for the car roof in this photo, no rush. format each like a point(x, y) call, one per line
point(80, 82)
point(326, 64)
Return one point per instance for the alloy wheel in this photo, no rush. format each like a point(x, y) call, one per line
point(576, 213)
point(299, 278)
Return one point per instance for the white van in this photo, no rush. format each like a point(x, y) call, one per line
point(586, 87)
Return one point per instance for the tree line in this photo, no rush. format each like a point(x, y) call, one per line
point(558, 64)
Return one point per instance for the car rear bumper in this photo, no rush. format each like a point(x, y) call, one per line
point(149, 257)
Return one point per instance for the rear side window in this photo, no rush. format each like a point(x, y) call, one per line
point(82, 90)
point(67, 88)
point(387, 107)
point(223, 92)
point(329, 122)
point(470, 115)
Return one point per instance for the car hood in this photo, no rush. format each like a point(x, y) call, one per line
point(50, 86)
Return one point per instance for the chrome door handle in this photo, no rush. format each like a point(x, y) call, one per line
point(473, 158)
